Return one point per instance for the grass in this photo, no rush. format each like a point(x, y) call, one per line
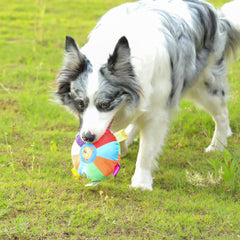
point(39, 199)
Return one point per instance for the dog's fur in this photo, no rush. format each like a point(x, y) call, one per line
point(140, 60)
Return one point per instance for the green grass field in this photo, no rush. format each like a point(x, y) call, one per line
point(39, 198)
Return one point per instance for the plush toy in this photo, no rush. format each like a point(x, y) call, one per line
point(99, 159)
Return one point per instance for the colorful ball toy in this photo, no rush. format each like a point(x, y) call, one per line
point(99, 159)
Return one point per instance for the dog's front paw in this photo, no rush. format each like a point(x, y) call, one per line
point(142, 179)
point(142, 186)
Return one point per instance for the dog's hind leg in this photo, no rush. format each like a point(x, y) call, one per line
point(153, 130)
point(210, 93)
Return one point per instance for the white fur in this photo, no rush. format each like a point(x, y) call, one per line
point(230, 11)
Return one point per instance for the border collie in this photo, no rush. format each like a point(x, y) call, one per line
point(140, 60)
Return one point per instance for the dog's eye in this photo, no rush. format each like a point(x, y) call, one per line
point(105, 105)
point(81, 104)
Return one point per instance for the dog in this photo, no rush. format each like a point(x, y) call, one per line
point(140, 60)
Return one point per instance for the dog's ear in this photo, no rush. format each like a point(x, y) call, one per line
point(74, 64)
point(119, 61)
point(75, 61)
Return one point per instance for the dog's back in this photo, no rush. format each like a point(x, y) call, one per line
point(169, 36)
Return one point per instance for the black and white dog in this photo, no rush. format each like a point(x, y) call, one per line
point(140, 60)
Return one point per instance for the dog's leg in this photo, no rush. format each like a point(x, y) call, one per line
point(131, 131)
point(222, 128)
point(212, 97)
point(152, 133)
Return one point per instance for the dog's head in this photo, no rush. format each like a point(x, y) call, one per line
point(96, 93)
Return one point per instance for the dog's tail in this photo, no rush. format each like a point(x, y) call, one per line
point(230, 22)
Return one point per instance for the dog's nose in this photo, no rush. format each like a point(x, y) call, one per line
point(88, 136)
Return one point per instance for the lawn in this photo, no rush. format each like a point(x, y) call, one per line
point(196, 195)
